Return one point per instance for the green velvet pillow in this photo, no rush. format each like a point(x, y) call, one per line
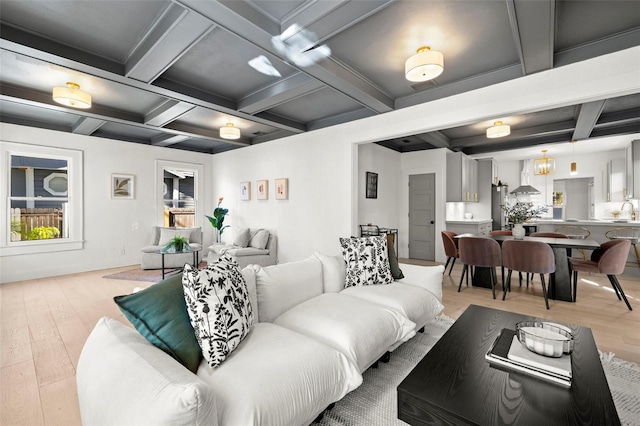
point(396, 272)
point(160, 314)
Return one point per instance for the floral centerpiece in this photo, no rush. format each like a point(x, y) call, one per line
point(217, 220)
point(521, 212)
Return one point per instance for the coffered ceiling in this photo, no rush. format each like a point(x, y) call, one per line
point(171, 73)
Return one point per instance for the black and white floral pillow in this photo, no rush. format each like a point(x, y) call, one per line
point(219, 307)
point(367, 261)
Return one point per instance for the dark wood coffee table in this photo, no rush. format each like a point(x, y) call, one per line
point(455, 385)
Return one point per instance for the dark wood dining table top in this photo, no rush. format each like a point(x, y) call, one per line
point(553, 242)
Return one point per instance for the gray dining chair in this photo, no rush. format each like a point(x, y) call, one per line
point(480, 252)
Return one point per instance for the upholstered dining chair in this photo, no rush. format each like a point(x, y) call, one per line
point(609, 259)
point(480, 252)
point(499, 232)
point(631, 234)
point(528, 256)
point(450, 248)
point(576, 233)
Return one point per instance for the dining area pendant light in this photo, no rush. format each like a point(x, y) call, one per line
point(229, 132)
point(425, 65)
point(574, 165)
point(498, 130)
point(72, 96)
point(545, 165)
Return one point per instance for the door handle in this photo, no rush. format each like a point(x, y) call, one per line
point(431, 222)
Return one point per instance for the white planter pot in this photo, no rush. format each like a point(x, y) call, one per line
point(518, 231)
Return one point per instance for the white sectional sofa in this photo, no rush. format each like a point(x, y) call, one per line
point(310, 342)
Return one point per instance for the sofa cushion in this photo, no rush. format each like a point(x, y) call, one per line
point(259, 239)
point(167, 234)
point(427, 277)
point(334, 271)
point(219, 307)
point(159, 313)
point(242, 238)
point(357, 328)
point(247, 251)
point(281, 287)
point(367, 260)
point(396, 272)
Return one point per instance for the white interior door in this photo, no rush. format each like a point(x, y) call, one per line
point(422, 216)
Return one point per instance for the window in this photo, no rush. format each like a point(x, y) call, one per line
point(42, 203)
point(179, 194)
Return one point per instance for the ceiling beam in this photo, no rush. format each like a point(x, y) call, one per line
point(588, 115)
point(284, 90)
point(170, 37)
point(521, 143)
point(214, 135)
point(619, 117)
point(533, 30)
point(526, 134)
point(615, 43)
point(340, 118)
point(329, 71)
point(170, 110)
point(168, 140)
point(87, 125)
point(436, 139)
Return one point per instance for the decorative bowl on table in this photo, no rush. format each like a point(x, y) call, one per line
point(545, 338)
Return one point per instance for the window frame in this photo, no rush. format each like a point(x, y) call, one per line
point(198, 190)
point(75, 213)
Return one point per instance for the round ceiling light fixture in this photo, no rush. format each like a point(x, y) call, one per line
point(425, 65)
point(498, 130)
point(229, 132)
point(72, 96)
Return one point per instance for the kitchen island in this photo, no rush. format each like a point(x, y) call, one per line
point(470, 226)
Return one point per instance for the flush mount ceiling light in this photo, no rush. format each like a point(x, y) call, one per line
point(425, 65)
point(498, 130)
point(72, 96)
point(229, 132)
point(574, 165)
point(544, 165)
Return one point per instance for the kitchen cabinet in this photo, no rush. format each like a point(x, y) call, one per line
point(475, 227)
point(615, 181)
point(462, 178)
point(632, 171)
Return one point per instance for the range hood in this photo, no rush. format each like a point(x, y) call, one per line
point(524, 187)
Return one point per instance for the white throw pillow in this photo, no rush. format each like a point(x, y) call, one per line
point(219, 307)
point(427, 277)
point(242, 238)
point(259, 239)
point(281, 287)
point(166, 235)
point(367, 261)
point(334, 271)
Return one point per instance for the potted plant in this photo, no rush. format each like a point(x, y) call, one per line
point(177, 244)
point(217, 220)
point(519, 213)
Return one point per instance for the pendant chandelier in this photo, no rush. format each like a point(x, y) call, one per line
point(545, 165)
point(574, 165)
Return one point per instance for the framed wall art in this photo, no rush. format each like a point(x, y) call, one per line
point(122, 186)
point(245, 191)
point(372, 185)
point(282, 189)
point(263, 189)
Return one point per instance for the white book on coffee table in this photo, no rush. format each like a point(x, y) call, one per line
point(519, 353)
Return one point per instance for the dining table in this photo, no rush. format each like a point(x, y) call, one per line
point(560, 287)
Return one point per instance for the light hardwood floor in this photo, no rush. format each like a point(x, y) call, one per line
point(44, 324)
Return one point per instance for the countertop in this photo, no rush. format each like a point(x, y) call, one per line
point(470, 221)
point(590, 222)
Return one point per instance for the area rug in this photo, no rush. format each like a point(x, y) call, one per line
point(374, 402)
point(137, 274)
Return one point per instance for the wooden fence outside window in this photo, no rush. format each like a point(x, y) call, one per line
point(29, 219)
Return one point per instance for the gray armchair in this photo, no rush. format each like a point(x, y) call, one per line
point(153, 260)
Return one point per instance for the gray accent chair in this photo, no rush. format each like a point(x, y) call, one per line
point(152, 260)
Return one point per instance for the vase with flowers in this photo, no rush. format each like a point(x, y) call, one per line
point(217, 220)
point(519, 213)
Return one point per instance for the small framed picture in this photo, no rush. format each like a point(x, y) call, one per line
point(282, 189)
point(372, 185)
point(122, 186)
point(245, 191)
point(263, 189)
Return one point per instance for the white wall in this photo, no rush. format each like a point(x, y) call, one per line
point(385, 210)
point(110, 226)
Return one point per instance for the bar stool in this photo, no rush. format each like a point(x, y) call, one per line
point(528, 256)
point(631, 234)
point(575, 233)
point(609, 259)
point(480, 252)
point(450, 248)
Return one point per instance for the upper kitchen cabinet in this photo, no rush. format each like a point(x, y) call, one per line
point(632, 167)
point(462, 178)
point(615, 181)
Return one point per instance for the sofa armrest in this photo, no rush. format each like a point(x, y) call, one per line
point(427, 277)
point(124, 379)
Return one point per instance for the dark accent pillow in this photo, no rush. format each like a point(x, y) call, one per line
point(159, 313)
point(396, 272)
